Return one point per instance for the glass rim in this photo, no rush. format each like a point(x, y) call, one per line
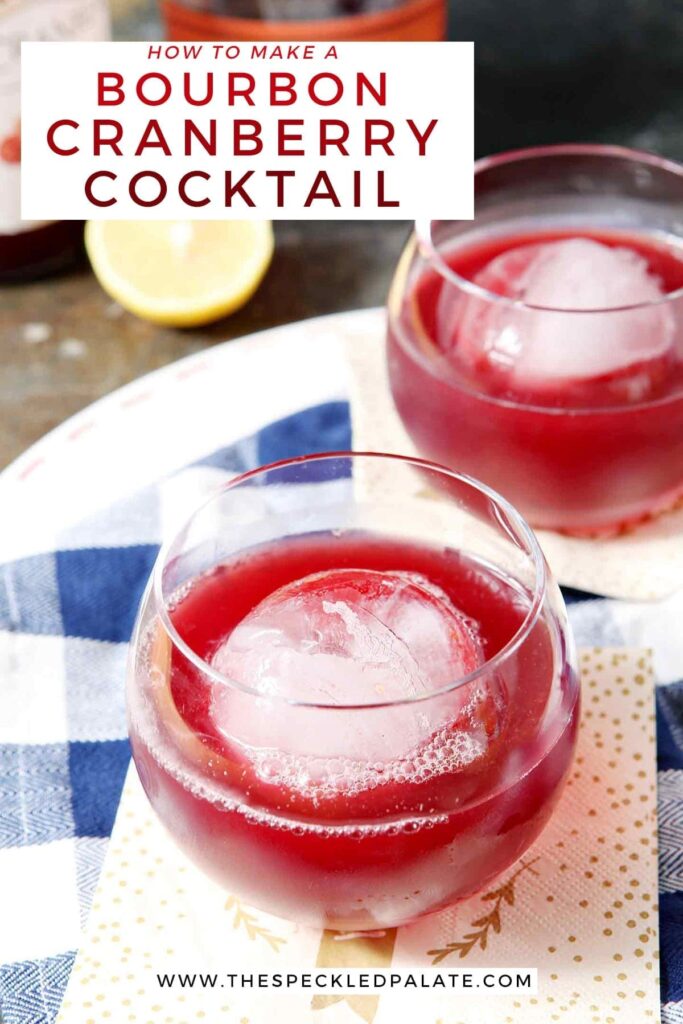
point(429, 248)
point(490, 665)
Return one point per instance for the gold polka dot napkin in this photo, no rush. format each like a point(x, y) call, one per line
point(581, 906)
point(641, 565)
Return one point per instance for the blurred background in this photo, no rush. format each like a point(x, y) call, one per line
point(581, 70)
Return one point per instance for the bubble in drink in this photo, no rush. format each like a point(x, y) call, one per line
point(554, 345)
point(353, 637)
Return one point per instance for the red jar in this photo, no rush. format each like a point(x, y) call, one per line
point(306, 20)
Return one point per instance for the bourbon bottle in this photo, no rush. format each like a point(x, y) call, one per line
point(29, 249)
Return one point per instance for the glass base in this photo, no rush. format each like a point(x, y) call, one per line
point(668, 502)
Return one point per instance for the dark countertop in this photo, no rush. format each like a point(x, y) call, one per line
point(594, 70)
point(93, 346)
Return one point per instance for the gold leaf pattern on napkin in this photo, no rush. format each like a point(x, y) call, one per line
point(505, 893)
point(247, 919)
point(363, 951)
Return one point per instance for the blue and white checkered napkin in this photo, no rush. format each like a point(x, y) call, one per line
point(65, 619)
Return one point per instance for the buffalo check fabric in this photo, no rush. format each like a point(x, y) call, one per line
point(65, 621)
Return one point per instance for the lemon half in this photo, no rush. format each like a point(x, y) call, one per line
point(180, 273)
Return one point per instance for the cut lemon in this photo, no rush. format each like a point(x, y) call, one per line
point(180, 273)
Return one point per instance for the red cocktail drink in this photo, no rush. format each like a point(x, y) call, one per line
point(542, 347)
point(349, 726)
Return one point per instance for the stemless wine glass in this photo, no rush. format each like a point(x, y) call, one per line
point(352, 692)
point(602, 453)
